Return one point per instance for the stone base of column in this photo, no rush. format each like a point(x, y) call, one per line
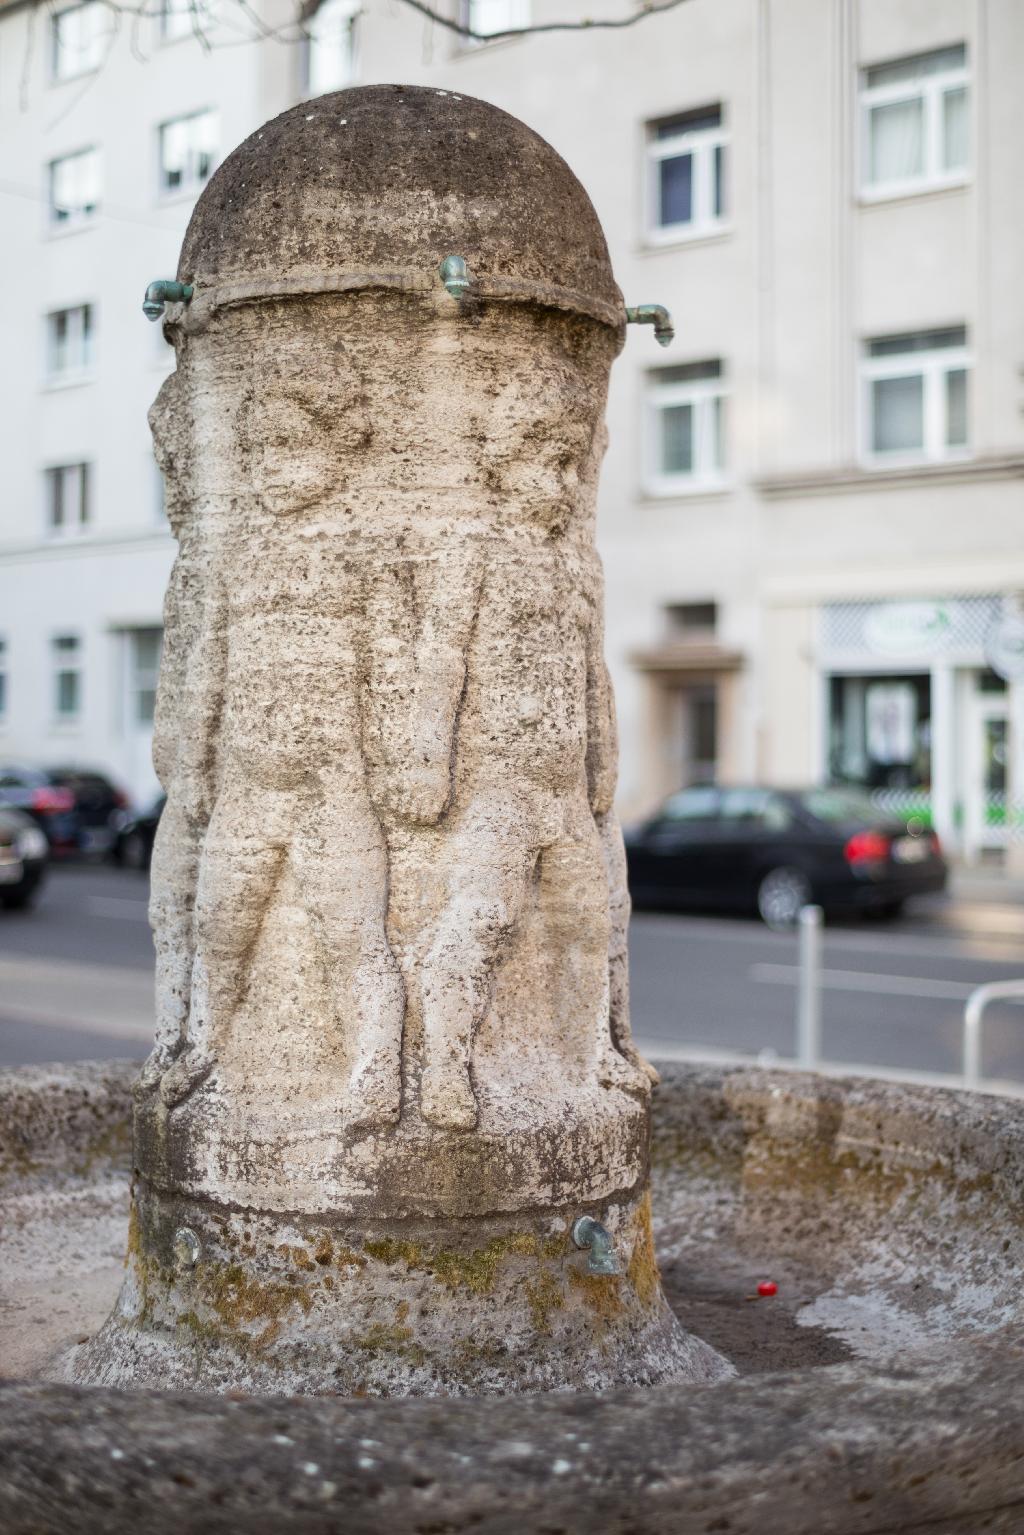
point(220, 1299)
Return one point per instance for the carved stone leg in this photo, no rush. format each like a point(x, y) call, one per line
point(489, 866)
point(576, 905)
point(242, 860)
point(619, 906)
point(341, 865)
point(175, 871)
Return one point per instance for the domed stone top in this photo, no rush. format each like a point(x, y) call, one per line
point(386, 181)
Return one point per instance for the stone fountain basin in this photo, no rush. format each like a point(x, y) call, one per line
point(879, 1390)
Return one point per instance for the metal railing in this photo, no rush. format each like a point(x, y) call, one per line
point(808, 1006)
point(977, 1002)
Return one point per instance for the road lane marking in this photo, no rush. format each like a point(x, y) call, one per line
point(958, 948)
point(866, 980)
point(117, 906)
point(25, 1015)
point(102, 999)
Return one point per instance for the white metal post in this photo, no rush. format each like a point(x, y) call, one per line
point(944, 742)
point(808, 1008)
point(1015, 778)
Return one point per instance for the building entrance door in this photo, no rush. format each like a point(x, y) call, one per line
point(986, 788)
point(699, 734)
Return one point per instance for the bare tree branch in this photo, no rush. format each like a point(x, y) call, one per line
point(647, 8)
point(198, 31)
point(297, 29)
point(26, 62)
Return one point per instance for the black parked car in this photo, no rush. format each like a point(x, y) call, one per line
point(100, 807)
point(79, 810)
point(24, 851)
point(774, 851)
point(134, 846)
point(50, 804)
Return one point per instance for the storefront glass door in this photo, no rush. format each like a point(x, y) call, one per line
point(987, 759)
point(880, 739)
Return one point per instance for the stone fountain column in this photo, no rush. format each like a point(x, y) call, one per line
point(393, 1067)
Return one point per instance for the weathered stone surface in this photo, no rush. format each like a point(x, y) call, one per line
point(935, 1445)
point(389, 899)
point(63, 1122)
point(385, 182)
point(900, 1206)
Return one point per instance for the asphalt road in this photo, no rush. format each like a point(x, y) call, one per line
point(76, 980)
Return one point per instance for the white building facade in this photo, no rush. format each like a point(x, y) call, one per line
point(812, 515)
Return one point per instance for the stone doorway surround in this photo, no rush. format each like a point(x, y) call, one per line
point(669, 670)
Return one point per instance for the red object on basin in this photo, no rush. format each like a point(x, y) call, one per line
point(767, 1287)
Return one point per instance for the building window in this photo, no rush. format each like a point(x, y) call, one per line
point(74, 188)
point(67, 500)
point(698, 733)
point(686, 189)
point(79, 36)
point(914, 116)
point(489, 18)
point(144, 646)
point(330, 46)
point(176, 19)
point(188, 152)
point(3, 678)
point(915, 389)
point(695, 623)
point(686, 428)
point(69, 343)
point(66, 654)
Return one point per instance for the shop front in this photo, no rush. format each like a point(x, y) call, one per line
point(924, 707)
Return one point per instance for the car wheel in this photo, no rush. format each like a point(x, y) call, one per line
point(133, 851)
point(18, 900)
point(780, 896)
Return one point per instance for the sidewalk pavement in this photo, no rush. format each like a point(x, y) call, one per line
point(979, 886)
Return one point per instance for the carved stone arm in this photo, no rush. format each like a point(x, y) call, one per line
point(417, 713)
point(202, 703)
point(602, 733)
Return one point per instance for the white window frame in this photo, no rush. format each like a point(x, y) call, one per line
point(191, 185)
point(92, 51)
point(930, 89)
point(932, 366)
point(139, 680)
point(706, 474)
point(62, 661)
point(81, 338)
point(517, 16)
point(353, 9)
point(76, 218)
point(169, 32)
point(81, 525)
point(701, 143)
point(5, 678)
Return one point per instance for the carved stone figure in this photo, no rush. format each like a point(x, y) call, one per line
point(393, 1073)
point(290, 788)
point(508, 733)
point(187, 713)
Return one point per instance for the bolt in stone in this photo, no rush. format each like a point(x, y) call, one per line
point(186, 1248)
